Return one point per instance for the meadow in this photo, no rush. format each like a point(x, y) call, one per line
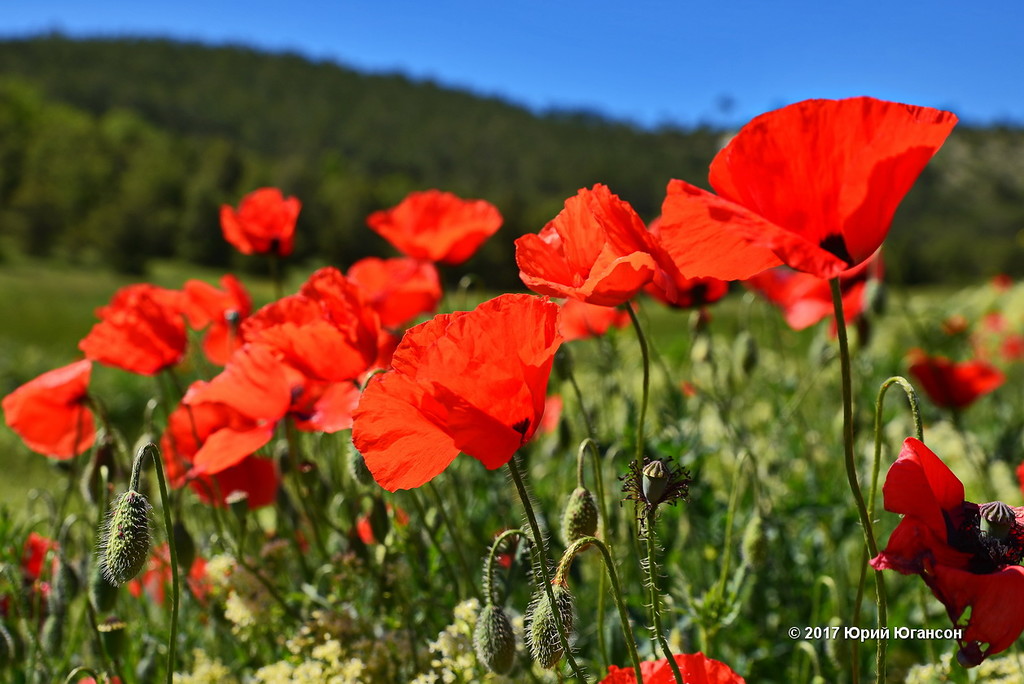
point(673, 479)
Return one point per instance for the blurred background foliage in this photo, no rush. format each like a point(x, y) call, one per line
point(115, 152)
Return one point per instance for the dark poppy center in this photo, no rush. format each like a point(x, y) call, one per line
point(989, 552)
point(522, 426)
point(835, 244)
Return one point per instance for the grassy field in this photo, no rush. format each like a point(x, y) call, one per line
point(770, 539)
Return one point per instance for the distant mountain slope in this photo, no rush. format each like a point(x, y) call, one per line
point(161, 132)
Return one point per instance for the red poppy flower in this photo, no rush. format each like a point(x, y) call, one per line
point(437, 226)
point(472, 381)
point(815, 184)
point(552, 414)
point(49, 413)
point(399, 290)
point(222, 310)
point(596, 250)
point(34, 554)
point(189, 428)
point(675, 251)
point(806, 299)
point(140, 331)
point(951, 384)
point(263, 224)
point(968, 555)
point(696, 668)
point(580, 320)
point(327, 331)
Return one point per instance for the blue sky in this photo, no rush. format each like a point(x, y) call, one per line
point(647, 61)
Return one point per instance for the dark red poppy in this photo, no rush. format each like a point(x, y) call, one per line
point(221, 310)
point(327, 330)
point(580, 320)
point(806, 299)
point(596, 250)
point(437, 226)
point(399, 290)
point(141, 331)
point(50, 414)
point(696, 668)
point(472, 381)
point(813, 185)
point(968, 554)
point(952, 384)
point(263, 224)
point(220, 473)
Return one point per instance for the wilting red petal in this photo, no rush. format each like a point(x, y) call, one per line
point(579, 320)
point(996, 601)
point(49, 412)
point(399, 290)
point(141, 330)
point(828, 174)
point(437, 226)
point(952, 384)
point(263, 224)
point(596, 250)
point(696, 668)
point(470, 381)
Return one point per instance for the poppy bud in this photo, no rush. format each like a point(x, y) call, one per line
point(379, 522)
point(745, 354)
point(92, 480)
point(494, 639)
point(102, 593)
point(753, 546)
point(113, 633)
point(655, 482)
point(64, 587)
point(580, 516)
point(357, 467)
point(700, 350)
point(238, 502)
point(563, 363)
point(124, 546)
point(51, 639)
point(541, 629)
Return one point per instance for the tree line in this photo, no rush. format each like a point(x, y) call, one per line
point(117, 151)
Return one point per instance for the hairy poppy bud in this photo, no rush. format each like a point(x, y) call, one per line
point(124, 547)
point(580, 516)
point(9, 650)
point(64, 587)
point(541, 629)
point(754, 546)
point(494, 639)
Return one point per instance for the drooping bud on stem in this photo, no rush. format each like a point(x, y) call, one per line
point(541, 629)
point(125, 543)
point(580, 516)
point(494, 640)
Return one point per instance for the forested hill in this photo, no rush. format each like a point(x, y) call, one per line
point(115, 151)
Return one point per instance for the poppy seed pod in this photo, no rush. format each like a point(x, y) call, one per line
point(655, 482)
point(580, 516)
point(541, 629)
point(997, 519)
point(494, 640)
point(124, 546)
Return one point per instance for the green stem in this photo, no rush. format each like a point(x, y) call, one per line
point(609, 564)
point(488, 587)
point(153, 452)
point(655, 599)
point(452, 530)
point(591, 445)
point(851, 474)
point(915, 410)
point(645, 353)
point(541, 554)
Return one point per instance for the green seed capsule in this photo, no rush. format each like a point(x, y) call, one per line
point(580, 516)
point(124, 547)
point(541, 629)
point(494, 639)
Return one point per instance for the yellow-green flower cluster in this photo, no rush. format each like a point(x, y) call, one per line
point(205, 671)
point(1005, 669)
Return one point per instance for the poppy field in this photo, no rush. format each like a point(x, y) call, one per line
point(709, 447)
